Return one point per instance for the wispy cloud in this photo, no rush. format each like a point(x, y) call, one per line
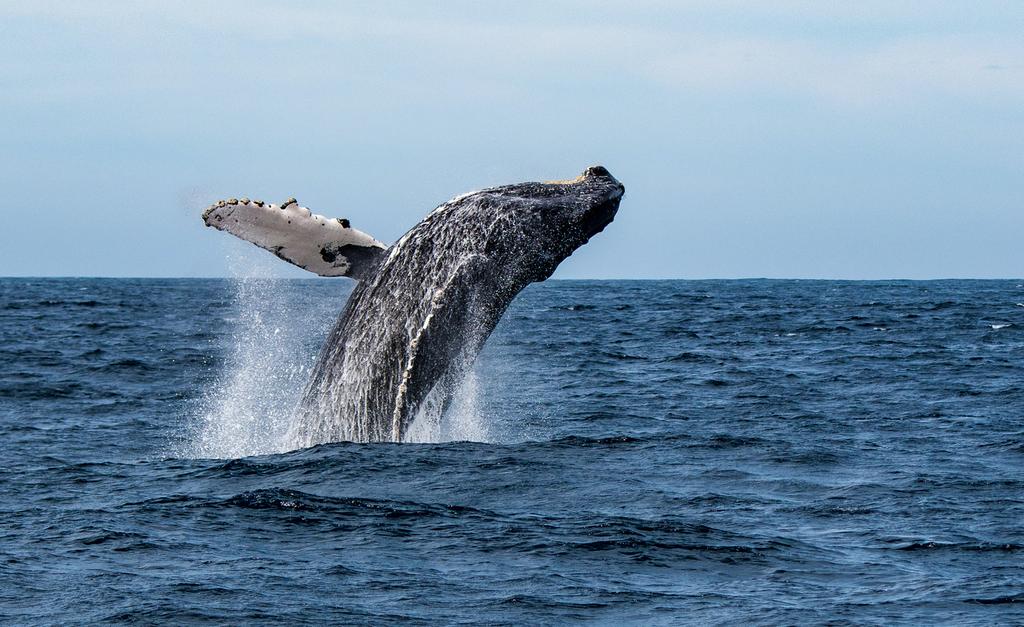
point(462, 48)
point(889, 73)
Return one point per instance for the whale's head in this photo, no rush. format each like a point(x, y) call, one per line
point(592, 200)
point(533, 227)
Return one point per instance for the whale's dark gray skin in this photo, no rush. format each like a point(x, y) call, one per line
point(424, 307)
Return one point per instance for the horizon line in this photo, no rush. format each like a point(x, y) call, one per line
point(605, 279)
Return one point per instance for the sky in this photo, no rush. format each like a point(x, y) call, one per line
point(850, 140)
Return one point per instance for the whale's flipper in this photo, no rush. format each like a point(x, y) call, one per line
point(324, 246)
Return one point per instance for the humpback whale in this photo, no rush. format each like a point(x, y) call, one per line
point(424, 306)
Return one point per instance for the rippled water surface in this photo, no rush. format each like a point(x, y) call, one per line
point(647, 452)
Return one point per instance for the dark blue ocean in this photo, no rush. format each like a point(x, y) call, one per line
point(663, 452)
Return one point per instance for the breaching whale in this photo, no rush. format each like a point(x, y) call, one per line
point(423, 307)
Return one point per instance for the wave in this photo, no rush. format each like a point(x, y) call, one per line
point(968, 547)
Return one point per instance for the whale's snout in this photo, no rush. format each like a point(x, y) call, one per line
point(606, 193)
point(601, 174)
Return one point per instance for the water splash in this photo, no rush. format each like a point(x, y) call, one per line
point(464, 420)
point(250, 408)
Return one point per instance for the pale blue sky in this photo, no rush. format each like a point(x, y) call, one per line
point(810, 139)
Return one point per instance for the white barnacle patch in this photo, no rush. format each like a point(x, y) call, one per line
point(324, 246)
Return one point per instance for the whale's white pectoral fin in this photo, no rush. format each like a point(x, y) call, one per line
point(324, 246)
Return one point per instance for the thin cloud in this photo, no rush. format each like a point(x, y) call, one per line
point(464, 49)
point(894, 72)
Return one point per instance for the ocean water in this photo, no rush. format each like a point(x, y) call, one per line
point(666, 452)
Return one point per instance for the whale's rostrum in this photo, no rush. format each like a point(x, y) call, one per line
point(423, 308)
